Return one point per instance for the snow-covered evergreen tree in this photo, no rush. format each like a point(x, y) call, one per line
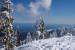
point(69, 34)
point(7, 27)
point(55, 33)
point(28, 38)
point(40, 29)
point(17, 35)
point(35, 36)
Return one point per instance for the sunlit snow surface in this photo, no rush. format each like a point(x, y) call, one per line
point(63, 43)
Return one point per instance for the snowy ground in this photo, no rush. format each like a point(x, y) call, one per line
point(63, 43)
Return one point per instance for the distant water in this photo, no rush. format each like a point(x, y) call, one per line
point(24, 27)
point(31, 27)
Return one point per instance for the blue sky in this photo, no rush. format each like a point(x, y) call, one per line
point(53, 11)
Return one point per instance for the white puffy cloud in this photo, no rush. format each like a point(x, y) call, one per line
point(33, 9)
point(46, 3)
point(35, 6)
point(20, 9)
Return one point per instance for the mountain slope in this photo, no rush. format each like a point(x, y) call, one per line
point(63, 43)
